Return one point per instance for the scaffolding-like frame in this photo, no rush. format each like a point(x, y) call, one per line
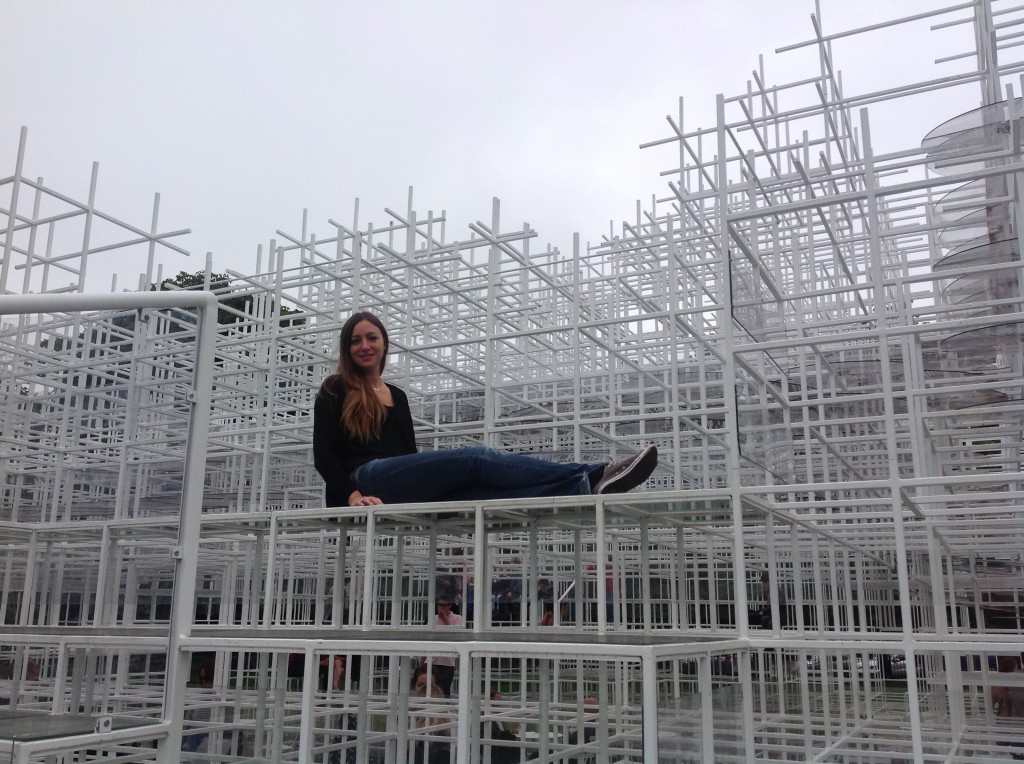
point(823, 339)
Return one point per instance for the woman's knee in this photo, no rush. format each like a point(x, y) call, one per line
point(478, 452)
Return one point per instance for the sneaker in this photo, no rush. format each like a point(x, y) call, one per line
point(628, 474)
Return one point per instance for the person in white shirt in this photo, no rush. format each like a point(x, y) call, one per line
point(444, 665)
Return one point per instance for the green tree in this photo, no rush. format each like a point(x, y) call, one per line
point(231, 306)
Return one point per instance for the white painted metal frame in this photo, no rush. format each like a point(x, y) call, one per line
point(193, 470)
point(821, 336)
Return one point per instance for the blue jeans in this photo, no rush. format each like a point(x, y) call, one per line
point(469, 474)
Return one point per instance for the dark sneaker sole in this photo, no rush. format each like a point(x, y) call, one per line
point(641, 468)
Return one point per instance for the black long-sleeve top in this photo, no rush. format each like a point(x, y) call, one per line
point(337, 453)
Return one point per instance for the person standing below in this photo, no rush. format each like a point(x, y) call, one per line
point(201, 712)
point(444, 665)
point(546, 598)
point(470, 599)
point(765, 613)
point(506, 592)
point(1008, 701)
point(503, 754)
point(589, 730)
point(364, 445)
point(436, 750)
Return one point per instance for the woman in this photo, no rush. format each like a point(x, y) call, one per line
point(435, 750)
point(364, 446)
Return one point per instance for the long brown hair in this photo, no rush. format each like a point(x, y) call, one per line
point(362, 413)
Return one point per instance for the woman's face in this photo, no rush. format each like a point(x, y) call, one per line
point(421, 682)
point(366, 347)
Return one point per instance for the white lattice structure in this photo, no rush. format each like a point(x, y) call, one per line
point(823, 339)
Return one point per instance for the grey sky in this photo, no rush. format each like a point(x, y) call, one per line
point(241, 114)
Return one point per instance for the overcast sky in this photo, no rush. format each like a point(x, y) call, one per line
point(242, 114)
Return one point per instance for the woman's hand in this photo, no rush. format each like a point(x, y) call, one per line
point(356, 499)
